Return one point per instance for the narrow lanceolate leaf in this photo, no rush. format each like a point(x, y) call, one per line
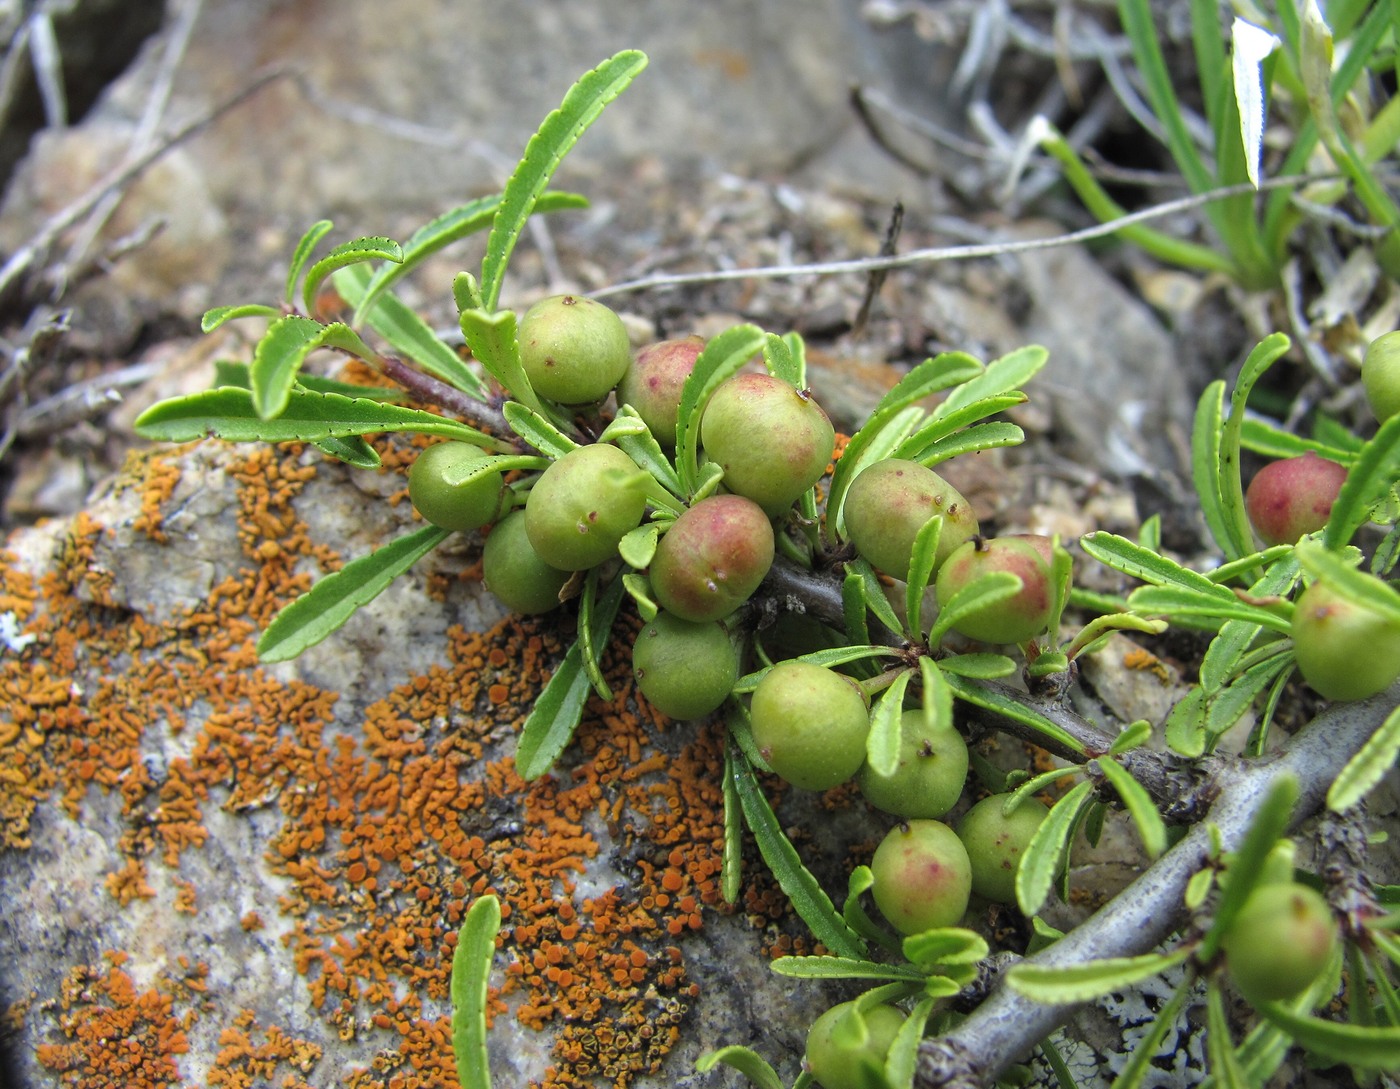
point(853, 911)
point(556, 714)
point(332, 601)
point(803, 890)
point(590, 645)
point(1238, 637)
point(1225, 1065)
point(1356, 586)
point(932, 375)
point(452, 225)
point(492, 338)
point(731, 863)
point(1263, 438)
point(347, 253)
point(747, 1062)
point(1229, 484)
point(1358, 1045)
point(471, 970)
point(559, 131)
point(1045, 855)
point(638, 546)
point(941, 426)
point(409, 335)
point(872, 591)
point(1132, 736)
point(842, 968)
point(536, 430)
point(882, 744)
point(1205, 465)
point(1368, 767)
point(981, 592)
point(229, 373)
point(779, 360)
point(946, 945)
point(720, 359)
point(1376, 469)
point(979, 667)
point(1175, 602)
point(1132, 559)
point(229, 414)
point(1068, 983)
point(354, 451)
point(903, 1057)
point(216, 317)
point(991, 700)
point(1136, 800)
point(641, 446)
point(833, 656)
point(302, 254)
point(921, 560)
point(937, 700)
point(1001, 376)
point(972, 440)
point(282, 351)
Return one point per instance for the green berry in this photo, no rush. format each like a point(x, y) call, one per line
point(1291, 497)
point(1280, 943)
point(439, 494)
point(574, 350)
point(810, 724)
point(928, 780)
point(583, 505)
point(1380, 375)
point(684, 670)
point(995, 842)
point(654, 381)
point(844, 1043)
point(889, 502)
point(1345, 651)
point(772, 441)
point(922, 877)
point(1016, 619)
point(514, 572)
point(712, 558)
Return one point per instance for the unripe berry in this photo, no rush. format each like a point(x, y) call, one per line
point(574, 350)
point(654, 381)
point(1380, 375)
point(922, 877)
point(1280, 943)
point(712, 558)
point(772, 441)
point(583, 505)
point(810, 724)
point(995, 842)
point(1016, 619)
point(889, 502)
point(1289, 498)
point(837, 1064)
point(1345, 651)
point(435, 490)
point(684, 670)
point(514, 572)
point(928, 780)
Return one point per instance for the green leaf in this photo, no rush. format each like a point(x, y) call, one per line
point(941, 426)
point(641, 446)
point(853, 608)
point(1263, 438)
point(218, 315)
point(1132, 736)
point(857, 884)
point(980, 593)
point(282, 350)
point(903, 1057)
point(1045, 855)
point(229, 414)
point(972, 440)
point(471, 969)
point(1358, 587)
point(559, 131)
point(780, 361)
point(842, 968)
point(639, 590)
point(1368, 767)
point(1249, 861)
point(354, 451)
point(592, 637)
point(1034, 785)
point(1228, 485)
point(1135, 798)
point(921, 561)
point(1225, 1064)
point(442, 231)
point(556, 714)
point(732, 861)
point(1375, 472)
point(882, 743)
point(944, 945)
point(833, 656)
point(492, 338)
point(719, 360)
point(347, 253)
point(930, 376)
point(1205, 466)
point(937, 697)
point(802, 889)
point(872, 591)
point(302, 254)
point(1237, 637)
point(229, 373)
point(1001, 376)
point(1358, 1045)
point(991, 700)
point(1175, 602)
point(639, 546)
point(978, 667)
point(746, 1062)
point(408, 334)
point(1186, 724)
point(536, 430)
point(1063, 984)
point(1132, 559)
point(331, 602)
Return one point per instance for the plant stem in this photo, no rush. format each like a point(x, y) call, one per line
point(1005, 1027)
point(435, 391)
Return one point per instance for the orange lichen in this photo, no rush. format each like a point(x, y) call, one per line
point(391, 818)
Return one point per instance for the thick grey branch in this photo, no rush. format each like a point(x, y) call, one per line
point(1005, 1027)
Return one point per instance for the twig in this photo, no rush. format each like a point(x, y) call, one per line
point(1005, 1027)
point(425, 387)
point(23, 258)
point(876, 279)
